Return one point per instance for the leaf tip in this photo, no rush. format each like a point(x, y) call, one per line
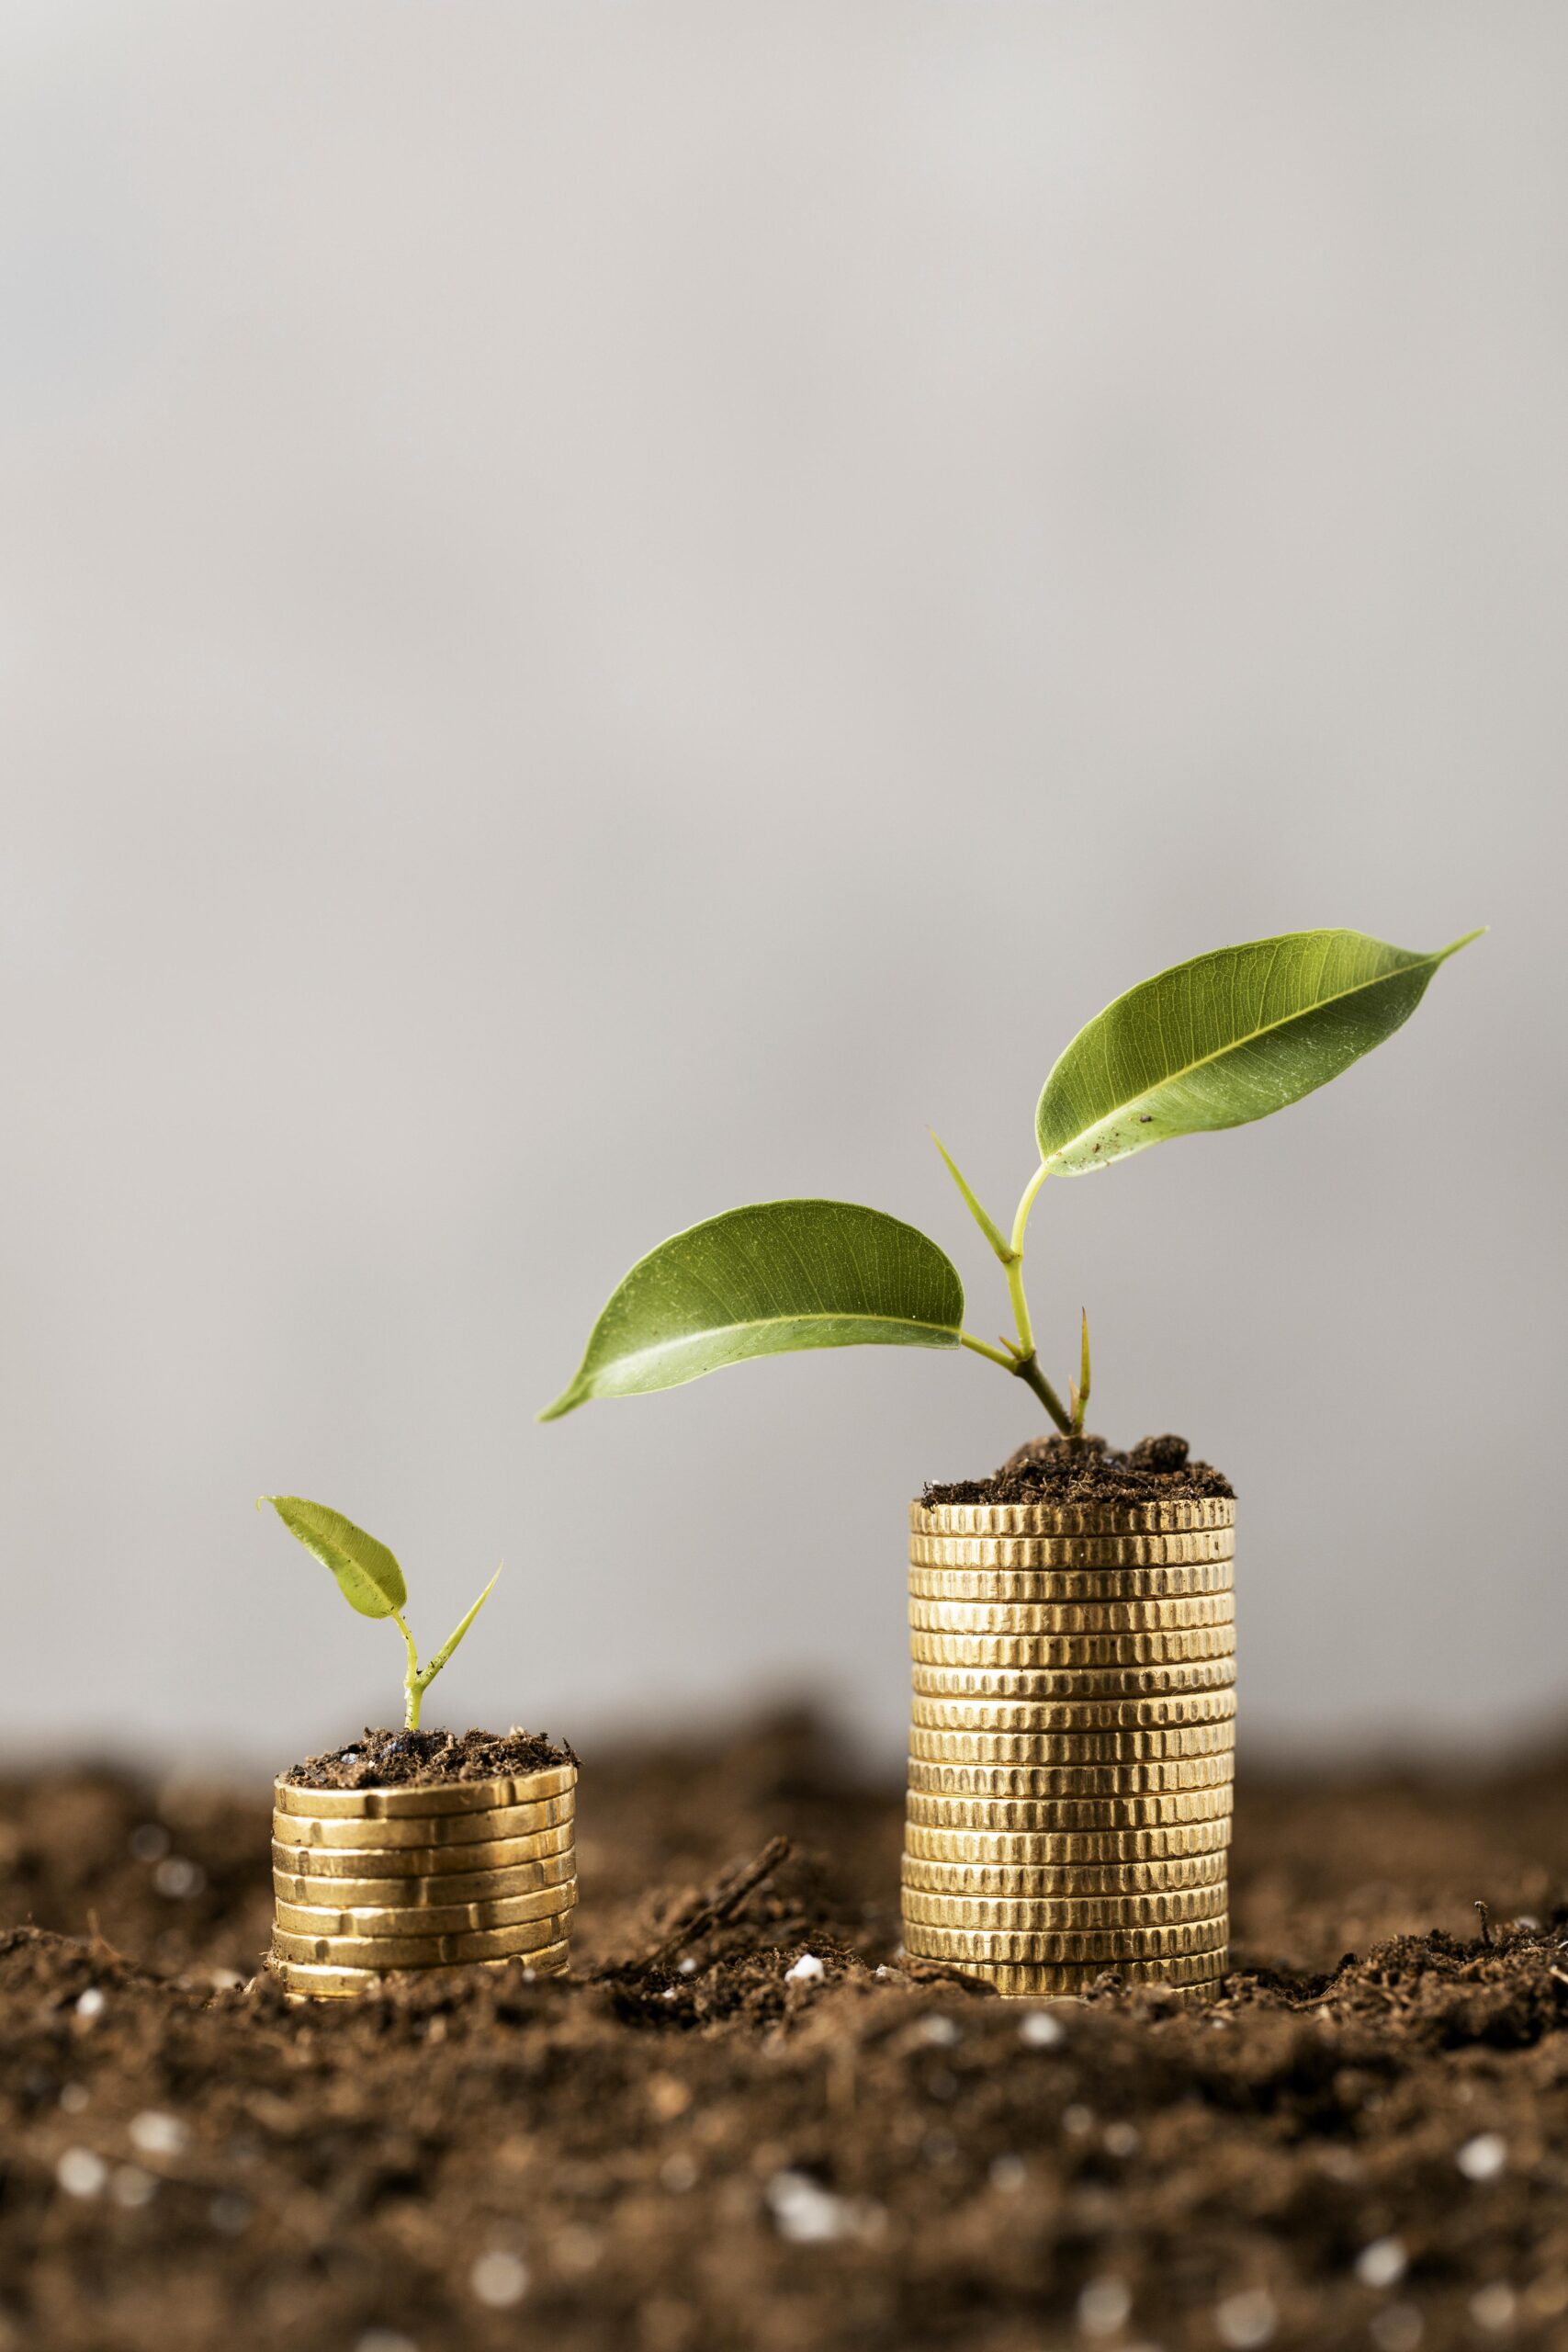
point(1454, 945)
point(566, 1402)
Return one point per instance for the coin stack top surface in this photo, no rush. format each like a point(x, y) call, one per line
point(1072, 1742)
point(426, 1877)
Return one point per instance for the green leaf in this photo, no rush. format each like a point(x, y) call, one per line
point(368, 1575)
point(762, 1281)
point(1226, 1038)
point(450, 1644)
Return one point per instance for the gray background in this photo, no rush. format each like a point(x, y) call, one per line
point(604, 612)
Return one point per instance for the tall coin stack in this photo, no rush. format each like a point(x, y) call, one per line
point(1072, 1742)
point(368, 1880)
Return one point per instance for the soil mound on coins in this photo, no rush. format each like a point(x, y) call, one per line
point(695, 2142)
point(1087, 1470)
point(397, 1760)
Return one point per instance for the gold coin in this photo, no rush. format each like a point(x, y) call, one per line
point(1055, 1620)
point(1068, 1588)
point(1077, 1911)
point(1090, 1682)
point(937, 1777)
point(420, 1951)
point(439, 1800)
point(451, 1830)
point(470, 1886)
point(428, 1918)
point(1070, 1653)
point(359, 1981)
point(419, 1861)
point(927, 1808)
point(1044, 1522)
point(1065, 1848)
point(1036, 1981)
point(1170, 1712)
point(1089, 1881)
point(1032, 1948)
point(326, 1983)
point(941, 1745)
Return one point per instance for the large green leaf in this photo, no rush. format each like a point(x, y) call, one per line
point(368, 1574)
point(761, 1282)
point(1226, 1038)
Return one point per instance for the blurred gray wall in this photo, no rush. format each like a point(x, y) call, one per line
point(605, 611)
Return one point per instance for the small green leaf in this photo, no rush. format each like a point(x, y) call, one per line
point(450, 1644)
point(763, 1281)
point(368, 1574)
point(1226, 1038)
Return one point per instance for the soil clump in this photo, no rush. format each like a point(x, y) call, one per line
point(1055, 1470)
point(399, 1760)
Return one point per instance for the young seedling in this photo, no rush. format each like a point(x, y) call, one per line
point(1213, 1042)
point(371, 1581)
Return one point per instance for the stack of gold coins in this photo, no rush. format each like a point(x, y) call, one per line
point(369, 1881)
point(1072, 1742)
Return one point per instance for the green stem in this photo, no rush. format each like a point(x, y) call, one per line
point(414, 1682)
point(1031, 1193)
point(1021, 1359)
point(1029, 1372)
point(992, 1356)
point(1027, 1367)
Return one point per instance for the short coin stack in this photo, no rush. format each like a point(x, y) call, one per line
point(1072, 1742)
point(369, 1881)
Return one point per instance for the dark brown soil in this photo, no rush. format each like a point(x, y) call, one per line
point(383, 1760)
point(1086, 1470)
point(685, 2148)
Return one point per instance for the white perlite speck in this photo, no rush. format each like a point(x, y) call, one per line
point(176, 1877)
point(1103, 2306)
point(1483, 2157)
point(499, 2279)
point(809, 2214)
point(80, 2173)
point(940, 2031)
point(90, 2003)
point(806, 1970)
point(152, 2133)
point(1382, 2264)
point(1493, 2307)
point(1040, 2029)
point(1246, 2320)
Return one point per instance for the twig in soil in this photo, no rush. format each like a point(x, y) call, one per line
point(728, 1892)
point(1483, 1914)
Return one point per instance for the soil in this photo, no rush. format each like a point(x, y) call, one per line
point(381, 1759)
point(1087, 1470)
point(695, 2144)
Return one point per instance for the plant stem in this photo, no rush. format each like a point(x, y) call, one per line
point(1028, 1366)
point(992, 1356)
point(413, 1683)
point(1031, 1193)
point(1021, 1359)
point(1029, 1372)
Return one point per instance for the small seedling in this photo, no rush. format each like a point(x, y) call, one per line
point(1213, 1042)
point(371, 1581)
